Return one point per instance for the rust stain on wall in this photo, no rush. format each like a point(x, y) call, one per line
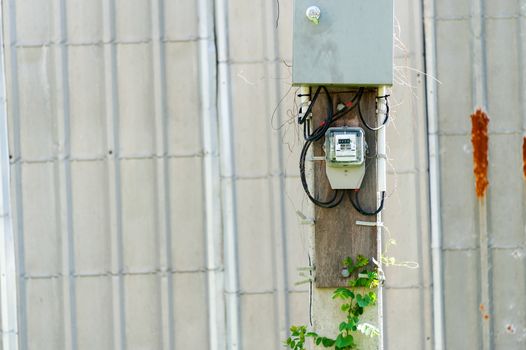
point(480, 141)
point(483, 313)
point(524, 156)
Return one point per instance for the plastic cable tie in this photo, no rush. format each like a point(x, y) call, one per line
point(369, 223)
point(306, 268)
point(299, 283)
point(304, 219)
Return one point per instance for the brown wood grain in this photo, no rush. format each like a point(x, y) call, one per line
point(336, 234)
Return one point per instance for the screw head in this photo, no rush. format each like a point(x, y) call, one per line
point(313, 14)
point(345, 273)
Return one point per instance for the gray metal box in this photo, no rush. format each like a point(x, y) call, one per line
point(351, 45)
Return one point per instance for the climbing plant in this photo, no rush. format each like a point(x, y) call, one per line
point(355, 301)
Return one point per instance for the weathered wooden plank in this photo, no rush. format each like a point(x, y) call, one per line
point(336, 234)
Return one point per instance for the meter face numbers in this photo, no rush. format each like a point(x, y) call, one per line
point(346, 147)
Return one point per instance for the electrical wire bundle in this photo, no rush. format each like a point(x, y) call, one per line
point(312, 136)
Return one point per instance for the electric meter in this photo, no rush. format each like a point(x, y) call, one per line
point(345, 157)
point(344, 147)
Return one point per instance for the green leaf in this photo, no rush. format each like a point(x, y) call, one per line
point(350, 325)
point(343, 342)
point(342, 293)
point(361, 261)
point(372, 298)
point(363, 301)
point(348, 262)
point(327, 342)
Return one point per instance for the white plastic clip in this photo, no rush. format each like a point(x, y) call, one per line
point(304, 219)
point(308, 277)
point(369, 223)
point(381, 273)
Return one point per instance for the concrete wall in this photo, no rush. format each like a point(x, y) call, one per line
point(408, 297)
point(480, 62)
point(112, 175)
point(154, 181)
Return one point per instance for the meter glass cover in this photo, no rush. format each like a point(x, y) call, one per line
point(344, 146)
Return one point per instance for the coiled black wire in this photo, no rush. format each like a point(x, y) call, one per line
point(331, 117)
point(336, 199)
point(318, 133)
point(356, 204)
point(386, 119)
point(306, 120)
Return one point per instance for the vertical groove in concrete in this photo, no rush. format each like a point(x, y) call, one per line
point(522, 96)
point(485, 277)
point(8, 278)
point(212, 178)
point(479, 54)
point(17, 175)
point(163, 179)
point(114, 180)
point(480, 100)
point(278, 139)
point(275, 163)
point(228, 180)
point(63, 193)
point(522, 58)
point(420, 147)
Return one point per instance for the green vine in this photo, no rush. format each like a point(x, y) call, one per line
point(353, 308)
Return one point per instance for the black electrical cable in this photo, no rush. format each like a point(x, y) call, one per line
point(317, 134)
point(386, 119)
point(356, 204)
point(353, 105)
point(305, 116)
point(331, 117)
point(332, 202)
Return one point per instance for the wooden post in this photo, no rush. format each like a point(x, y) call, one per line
point(337, 235)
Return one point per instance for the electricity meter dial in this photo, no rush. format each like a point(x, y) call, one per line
point(345, 150)
point(345, 147)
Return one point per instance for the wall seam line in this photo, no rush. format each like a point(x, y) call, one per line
point(114, 181)
point(430, 49)
point(17, 172)
point(166, 293)
point(8, 274)
point(62, 176)
point(228, 183)
point(480, 100)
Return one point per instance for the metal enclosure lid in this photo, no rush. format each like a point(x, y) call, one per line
point(352, 45)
